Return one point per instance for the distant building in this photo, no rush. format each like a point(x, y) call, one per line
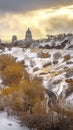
point(14, 38)
point(28, 36)
point(0, 40)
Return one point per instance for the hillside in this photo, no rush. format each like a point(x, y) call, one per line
point(61, 41)
point(53, 66)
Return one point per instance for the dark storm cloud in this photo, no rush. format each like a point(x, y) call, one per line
point(26, 5)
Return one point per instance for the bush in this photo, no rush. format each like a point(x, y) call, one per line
point(57, 55)
point(22, 93)
point(25, 96)
point(12, 73)
point(66, 57)
point(45, 55)
point(46, 122)
point(6, 60)
point(70, 80)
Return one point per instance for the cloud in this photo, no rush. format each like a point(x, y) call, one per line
point(27, 5)
point(61, 25)
point(41, 22)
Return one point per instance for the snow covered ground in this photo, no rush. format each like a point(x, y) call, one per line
point(57, 42)
point(54, 69)
point(9, 123)
point(68, 103)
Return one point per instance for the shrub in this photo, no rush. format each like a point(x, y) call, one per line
point(22, 92)
point(45, 55)
point(57, 55)
point(70, 80)
point(6, 60)
point(47, 122)
point(25, 96)
point(66, 57)
point(12, 73)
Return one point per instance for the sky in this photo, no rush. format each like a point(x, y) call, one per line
point(41, 16)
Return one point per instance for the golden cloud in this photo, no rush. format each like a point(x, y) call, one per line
point(52, 21)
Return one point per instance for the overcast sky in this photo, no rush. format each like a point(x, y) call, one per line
point(42, 16)
point(26, 5)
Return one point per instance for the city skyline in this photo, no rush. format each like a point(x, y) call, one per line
point(42, 17)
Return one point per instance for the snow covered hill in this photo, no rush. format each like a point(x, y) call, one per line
point(55, 42)
point(53, 66)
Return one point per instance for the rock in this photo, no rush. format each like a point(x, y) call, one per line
point(10, 124)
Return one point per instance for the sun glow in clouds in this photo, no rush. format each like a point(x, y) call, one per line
point(41, 22)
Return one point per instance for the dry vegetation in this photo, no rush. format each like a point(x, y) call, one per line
point(45, 55)
point(66, 57)
point(11, 71)
point(47, 122)
point(22, 93)
point(57, 55)
point(24, 96)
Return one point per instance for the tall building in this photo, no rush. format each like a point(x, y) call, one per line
point(28, 36)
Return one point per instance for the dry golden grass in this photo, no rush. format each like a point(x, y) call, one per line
point(45, 55)
point(35, 50)
point(66, 57)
